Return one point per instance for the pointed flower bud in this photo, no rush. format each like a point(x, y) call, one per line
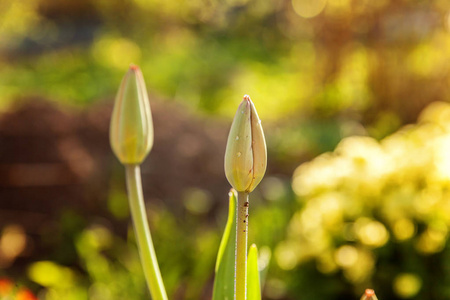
point(246, 153)
point(369, 294)
point(131, 130)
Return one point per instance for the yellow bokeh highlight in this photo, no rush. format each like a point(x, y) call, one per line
point(371, 233)
point(286, 255)
point(308, 8)
point(50, 274)
point(403, 229)
point(338, 7)
point(430, 59)
point(357, 264)
point(353, 154)
point(116, 52)
point(433, 239)
point(346, 256)
point(362, 269)
point(407, 285)
point(94, 239)
point(262, 83)
point(352, 80)
point(17, 18)
point(368, 192)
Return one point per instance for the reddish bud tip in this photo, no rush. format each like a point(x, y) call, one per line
point(370, 293)
point(134, 67)
point(247, 97)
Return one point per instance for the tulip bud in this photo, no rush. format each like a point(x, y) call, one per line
point(131, 130)
point(246, 153)
point(369, 294)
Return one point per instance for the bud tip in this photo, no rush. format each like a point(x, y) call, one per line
point(247, 97)
point(370, 293)
point(134, 67)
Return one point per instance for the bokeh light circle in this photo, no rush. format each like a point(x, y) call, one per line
point(308, 8)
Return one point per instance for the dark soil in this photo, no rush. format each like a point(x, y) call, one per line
point(54, 160)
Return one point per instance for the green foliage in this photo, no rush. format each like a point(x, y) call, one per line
point(100, 276)
point(224, 272)
point(106, 265)
point(369, 214)
point(253, 279)
point(225, 264)
point(203, 54)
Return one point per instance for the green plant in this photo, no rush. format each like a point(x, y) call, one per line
point(224, 282)
point(131, 137)
point(245, 165)
point(238, 276)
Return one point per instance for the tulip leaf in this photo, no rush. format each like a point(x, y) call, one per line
point(224, 278)
point(253, 281)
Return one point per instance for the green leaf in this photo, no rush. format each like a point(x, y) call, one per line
point(224, 279)
point(253, 282)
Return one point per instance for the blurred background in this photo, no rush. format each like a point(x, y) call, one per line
point(352, 197)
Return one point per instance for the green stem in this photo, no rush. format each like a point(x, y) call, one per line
point(142, 231)
point(240, 283)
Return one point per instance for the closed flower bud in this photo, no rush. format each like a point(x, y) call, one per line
point(369, 294)
point(246, 153)
point(131, 130)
